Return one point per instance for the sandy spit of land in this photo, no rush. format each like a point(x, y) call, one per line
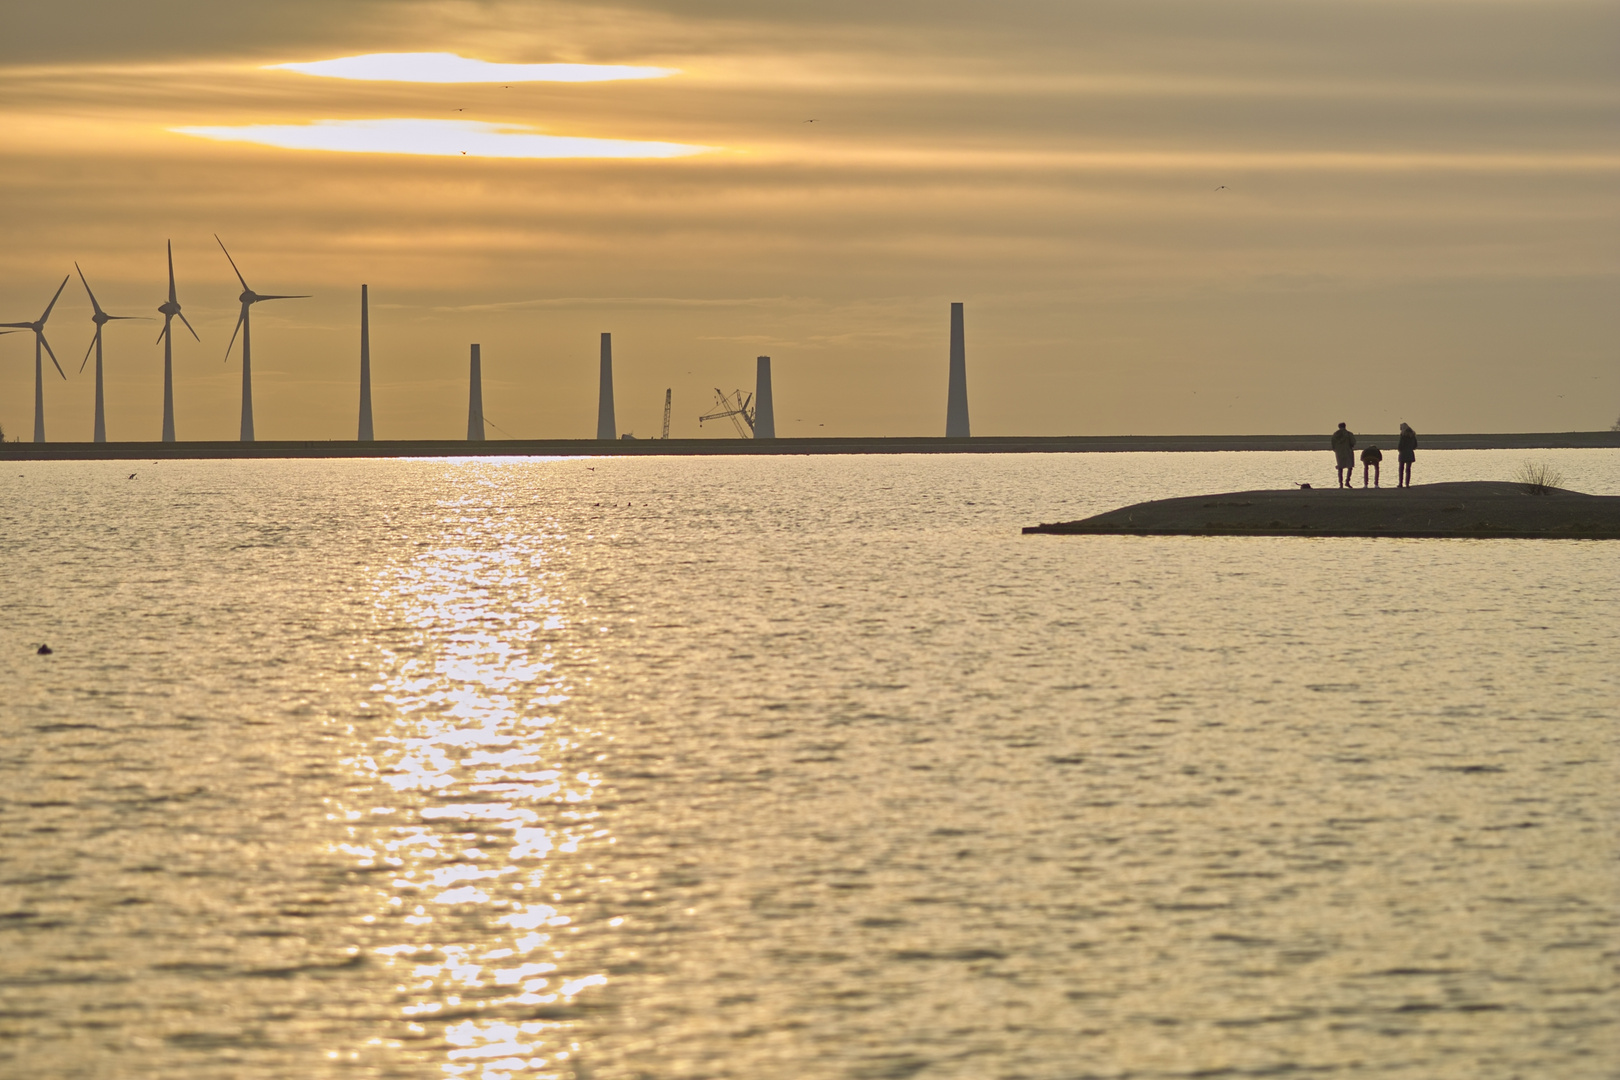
point(1475, 509)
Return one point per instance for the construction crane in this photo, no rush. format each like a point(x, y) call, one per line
point(667, 394)
point(738, 408)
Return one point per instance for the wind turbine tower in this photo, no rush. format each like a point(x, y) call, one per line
point(764, 410)
point(606, 428)
point(38, 327)
point(475, 399)
point(956, 403)
point(100, 318)
point(169, 310)
point(365, 368)
point(248, 298)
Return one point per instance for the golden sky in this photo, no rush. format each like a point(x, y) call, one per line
point(1180, 216)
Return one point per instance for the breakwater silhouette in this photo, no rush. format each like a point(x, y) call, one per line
point(1014, 444)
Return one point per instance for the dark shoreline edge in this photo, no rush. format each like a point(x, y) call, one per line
point(1467, 510)
point(1063, 444)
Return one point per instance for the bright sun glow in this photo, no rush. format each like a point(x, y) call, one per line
point(438, 138)
point(450, 68)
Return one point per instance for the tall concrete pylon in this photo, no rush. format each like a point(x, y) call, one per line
point(365, 368)
point(956, 402)
point(606, 428)
point(764, 410)
point(475, 400)
point(39, 397)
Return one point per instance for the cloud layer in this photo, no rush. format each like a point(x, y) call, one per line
point(450, 68)
point(436, 138)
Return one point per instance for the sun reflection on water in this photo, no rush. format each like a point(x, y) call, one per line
point(478, 851)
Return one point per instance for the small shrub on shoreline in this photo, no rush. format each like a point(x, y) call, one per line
point(1538, 478)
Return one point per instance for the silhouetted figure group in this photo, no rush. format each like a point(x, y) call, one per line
point(1372, 458)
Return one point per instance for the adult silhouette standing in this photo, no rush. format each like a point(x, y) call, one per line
point(1344, 453)
point(1405, 454)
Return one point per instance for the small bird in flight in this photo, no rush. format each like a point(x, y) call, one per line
point(810, 121)
point(1221, 188)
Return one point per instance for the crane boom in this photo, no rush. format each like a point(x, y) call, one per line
point(734, 406)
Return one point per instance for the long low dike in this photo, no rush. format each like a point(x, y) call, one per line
point(1064, 444)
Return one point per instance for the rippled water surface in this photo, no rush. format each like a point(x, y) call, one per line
point(793, 767)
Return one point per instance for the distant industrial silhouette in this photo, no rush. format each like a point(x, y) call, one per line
point(100, 318)
point(38, 327)
point(248, 298)
point(764, 410)
point(475, 399)
point(606, 427)
point(169, 310)
point(736, 407)
point(365, 368)
point(753, 415)
point(956, 403)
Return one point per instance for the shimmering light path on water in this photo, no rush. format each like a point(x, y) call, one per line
point(793, 767)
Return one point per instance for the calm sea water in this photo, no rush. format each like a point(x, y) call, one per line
point(793, 767)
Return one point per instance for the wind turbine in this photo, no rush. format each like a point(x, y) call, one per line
point(100, 318)
point(169, 311)
point(248, 298)
point(38, 327)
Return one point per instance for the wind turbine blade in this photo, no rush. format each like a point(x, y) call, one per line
point(48, 349)
point(52, 304)
point(239, 321)
point(19, 325)
point(163, 331)
point(88, 350)
point(232, 261)
point(87, 291)
point(306, 296)
point(188, 327)
point(171, 271)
